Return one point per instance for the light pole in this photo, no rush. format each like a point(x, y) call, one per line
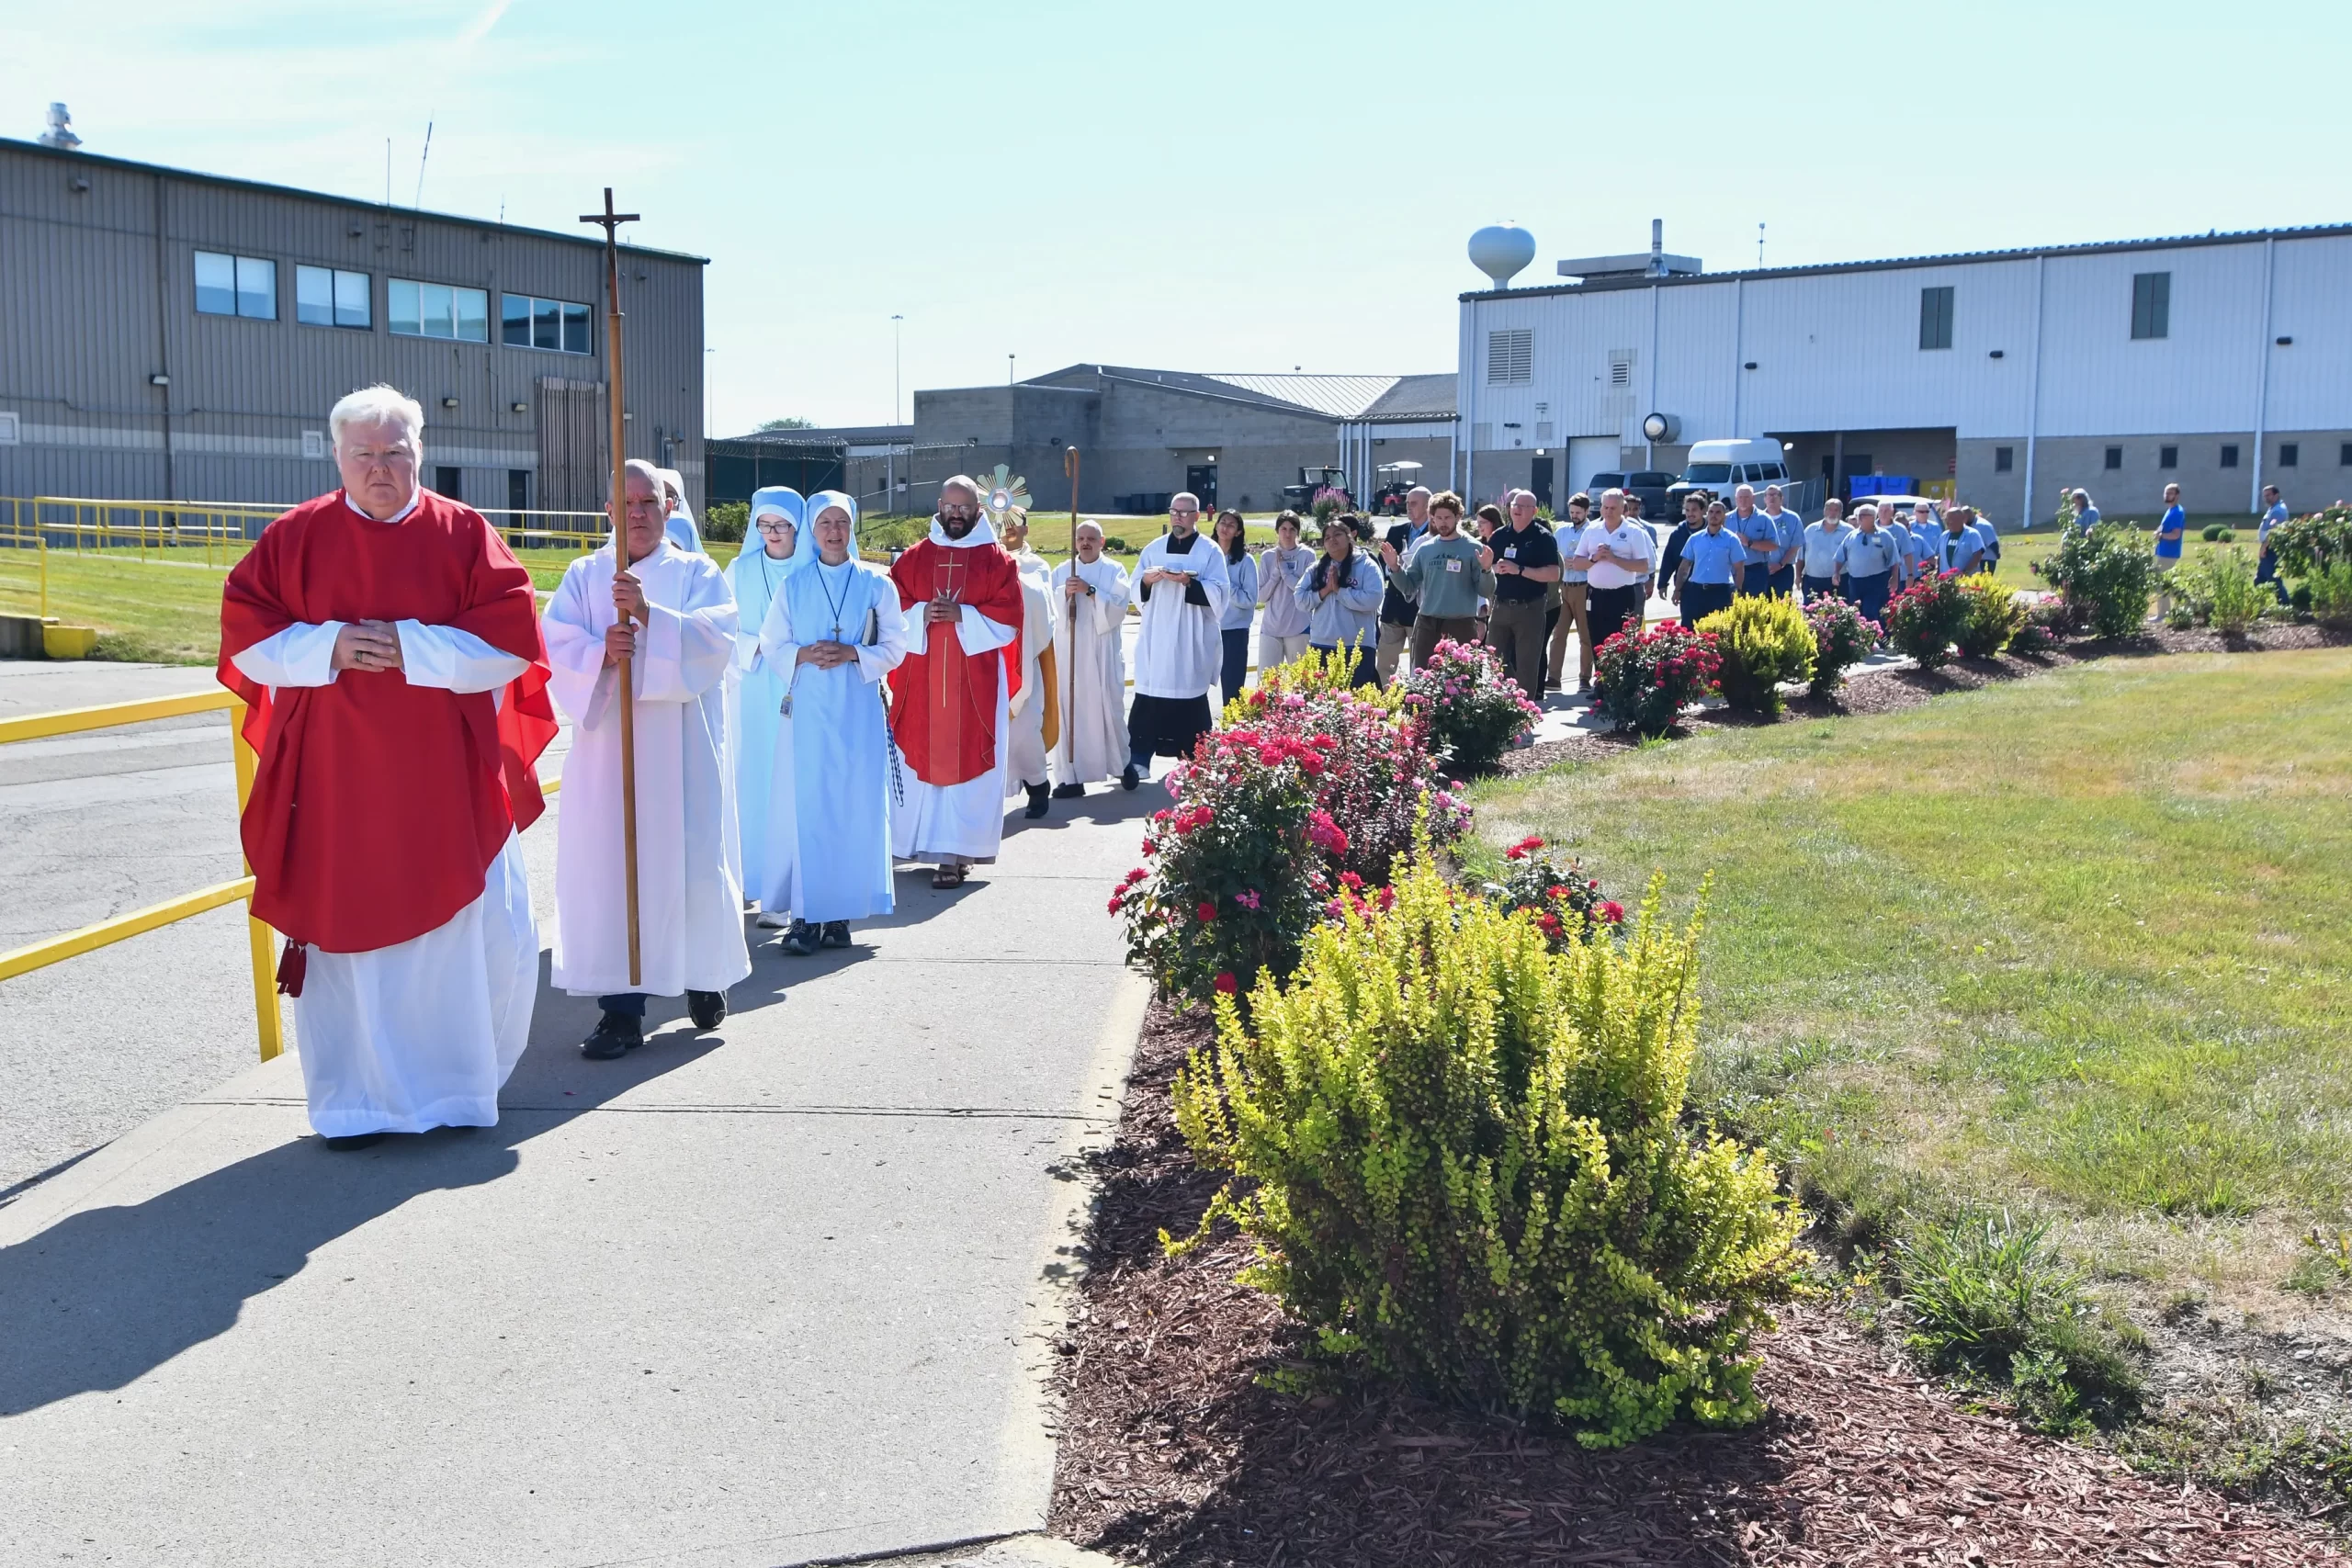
point(894, 367)
point(1008, 370)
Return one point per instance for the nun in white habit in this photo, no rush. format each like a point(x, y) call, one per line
point(832, 631)
point(755, 692)
point(681, 523)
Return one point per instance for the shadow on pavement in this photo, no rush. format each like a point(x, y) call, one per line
point(106, 1294)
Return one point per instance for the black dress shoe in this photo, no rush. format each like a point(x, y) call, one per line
point(709, 1008)
point(1037, 804)
point(1130, 778)
point(836, 934)
point(801, 940)
point(616, 1035)
point(1069, 791)
point(355, 1141)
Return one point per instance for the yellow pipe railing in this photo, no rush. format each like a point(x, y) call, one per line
point(270, 1026)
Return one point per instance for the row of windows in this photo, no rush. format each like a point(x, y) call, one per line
point(330, 296)
point(2151, 309)
point(2290, 456)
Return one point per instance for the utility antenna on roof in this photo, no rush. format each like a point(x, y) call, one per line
point(420, 164)
point(1759, 244)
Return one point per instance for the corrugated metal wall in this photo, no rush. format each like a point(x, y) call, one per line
point(97, 295)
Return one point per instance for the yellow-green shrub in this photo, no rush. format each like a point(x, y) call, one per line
point(1463, 1157)
point(1763, 641)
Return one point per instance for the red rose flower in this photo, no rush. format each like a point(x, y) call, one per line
point(1226, 984)
point(1613, 913)
point(1207, 911)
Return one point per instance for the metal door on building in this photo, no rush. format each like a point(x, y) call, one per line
point(1539, 480)
point(1200, 479)
point(574, 467)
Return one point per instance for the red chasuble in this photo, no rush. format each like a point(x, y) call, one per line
point(943, 701)
point(379, 804)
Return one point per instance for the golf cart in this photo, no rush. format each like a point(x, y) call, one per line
point(1393, 481)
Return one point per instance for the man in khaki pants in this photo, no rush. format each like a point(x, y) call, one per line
point(1572, 601)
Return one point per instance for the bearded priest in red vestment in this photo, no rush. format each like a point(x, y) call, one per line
point(962, 595)
point(386, 643)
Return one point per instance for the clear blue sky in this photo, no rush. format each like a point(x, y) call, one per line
point(1212, 185)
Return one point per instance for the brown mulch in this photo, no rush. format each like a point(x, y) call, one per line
point(1171, 1453)
point(1887, 690)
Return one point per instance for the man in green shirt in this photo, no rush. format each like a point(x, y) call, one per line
point(1449, 573)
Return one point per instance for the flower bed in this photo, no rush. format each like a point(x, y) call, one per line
point(1643, 680)
point(1472, 709)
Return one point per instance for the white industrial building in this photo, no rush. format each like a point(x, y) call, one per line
point(2223, 362)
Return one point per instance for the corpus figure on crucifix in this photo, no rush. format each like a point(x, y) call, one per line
point(964, 614)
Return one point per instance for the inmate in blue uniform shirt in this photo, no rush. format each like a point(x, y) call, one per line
point(1711, 556)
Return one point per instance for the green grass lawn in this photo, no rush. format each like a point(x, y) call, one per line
point(2019, 551)
point(2080, 945)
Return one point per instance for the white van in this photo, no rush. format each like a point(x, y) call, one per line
point(1720, 465)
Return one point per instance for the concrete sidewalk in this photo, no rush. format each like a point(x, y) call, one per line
point(778, 1294)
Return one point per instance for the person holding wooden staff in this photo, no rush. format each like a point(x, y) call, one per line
point(384, 641)
point(1092, 589)
point(670, 615)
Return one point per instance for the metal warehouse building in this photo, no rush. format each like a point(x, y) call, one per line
point(166, 335)
point(2223, 361)
point(1142, 434)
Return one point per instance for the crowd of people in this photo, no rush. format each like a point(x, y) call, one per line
point(800, 722)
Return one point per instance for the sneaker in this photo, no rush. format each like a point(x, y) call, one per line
point(835, 934)
point(772, 922)
point(708, 1008)
point(1130, 778)
point(616, 1035)
point(801, 940)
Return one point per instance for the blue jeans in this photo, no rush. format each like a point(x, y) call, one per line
point(1869, 595)
point(1755, 578)
point(1237, 661)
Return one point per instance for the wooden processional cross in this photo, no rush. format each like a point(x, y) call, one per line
point(610, 221)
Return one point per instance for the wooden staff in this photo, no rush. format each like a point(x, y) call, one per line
point(1069, 613)
point(610, 221)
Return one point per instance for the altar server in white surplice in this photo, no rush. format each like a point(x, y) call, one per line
point(833, 632)
point(1180, 579)
point(755, 692)
point(1036, 710)
point(1090, 650)
point(690, 900)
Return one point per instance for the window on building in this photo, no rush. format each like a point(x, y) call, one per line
point(2230, 455)
point(2291, 453)
point(1935, 318)
point(2115, 456)
point(449, 481)
point(2152, 304)
point(2168, 456)
point(328, 297)
point(1510, 356)
point(436, 310)
point(2343, 455)
point(2004, 459)
point(526, 321)
point(236, 286)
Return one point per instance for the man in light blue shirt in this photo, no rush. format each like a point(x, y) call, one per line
point(1712, 562)
point(1820, 543)
point(1961, 549)
point(1756, 531)
point(2265, 565)
point(1789, 529)
point(1869, 558)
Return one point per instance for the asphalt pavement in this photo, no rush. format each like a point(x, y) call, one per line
point(780, 1293)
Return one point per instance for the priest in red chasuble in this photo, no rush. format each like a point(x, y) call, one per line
point(962, 596)
point(386, 643)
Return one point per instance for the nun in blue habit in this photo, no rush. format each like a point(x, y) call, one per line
point(831, 632)
point(770, 551)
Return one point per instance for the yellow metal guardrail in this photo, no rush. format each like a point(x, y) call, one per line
point(268, 1025)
